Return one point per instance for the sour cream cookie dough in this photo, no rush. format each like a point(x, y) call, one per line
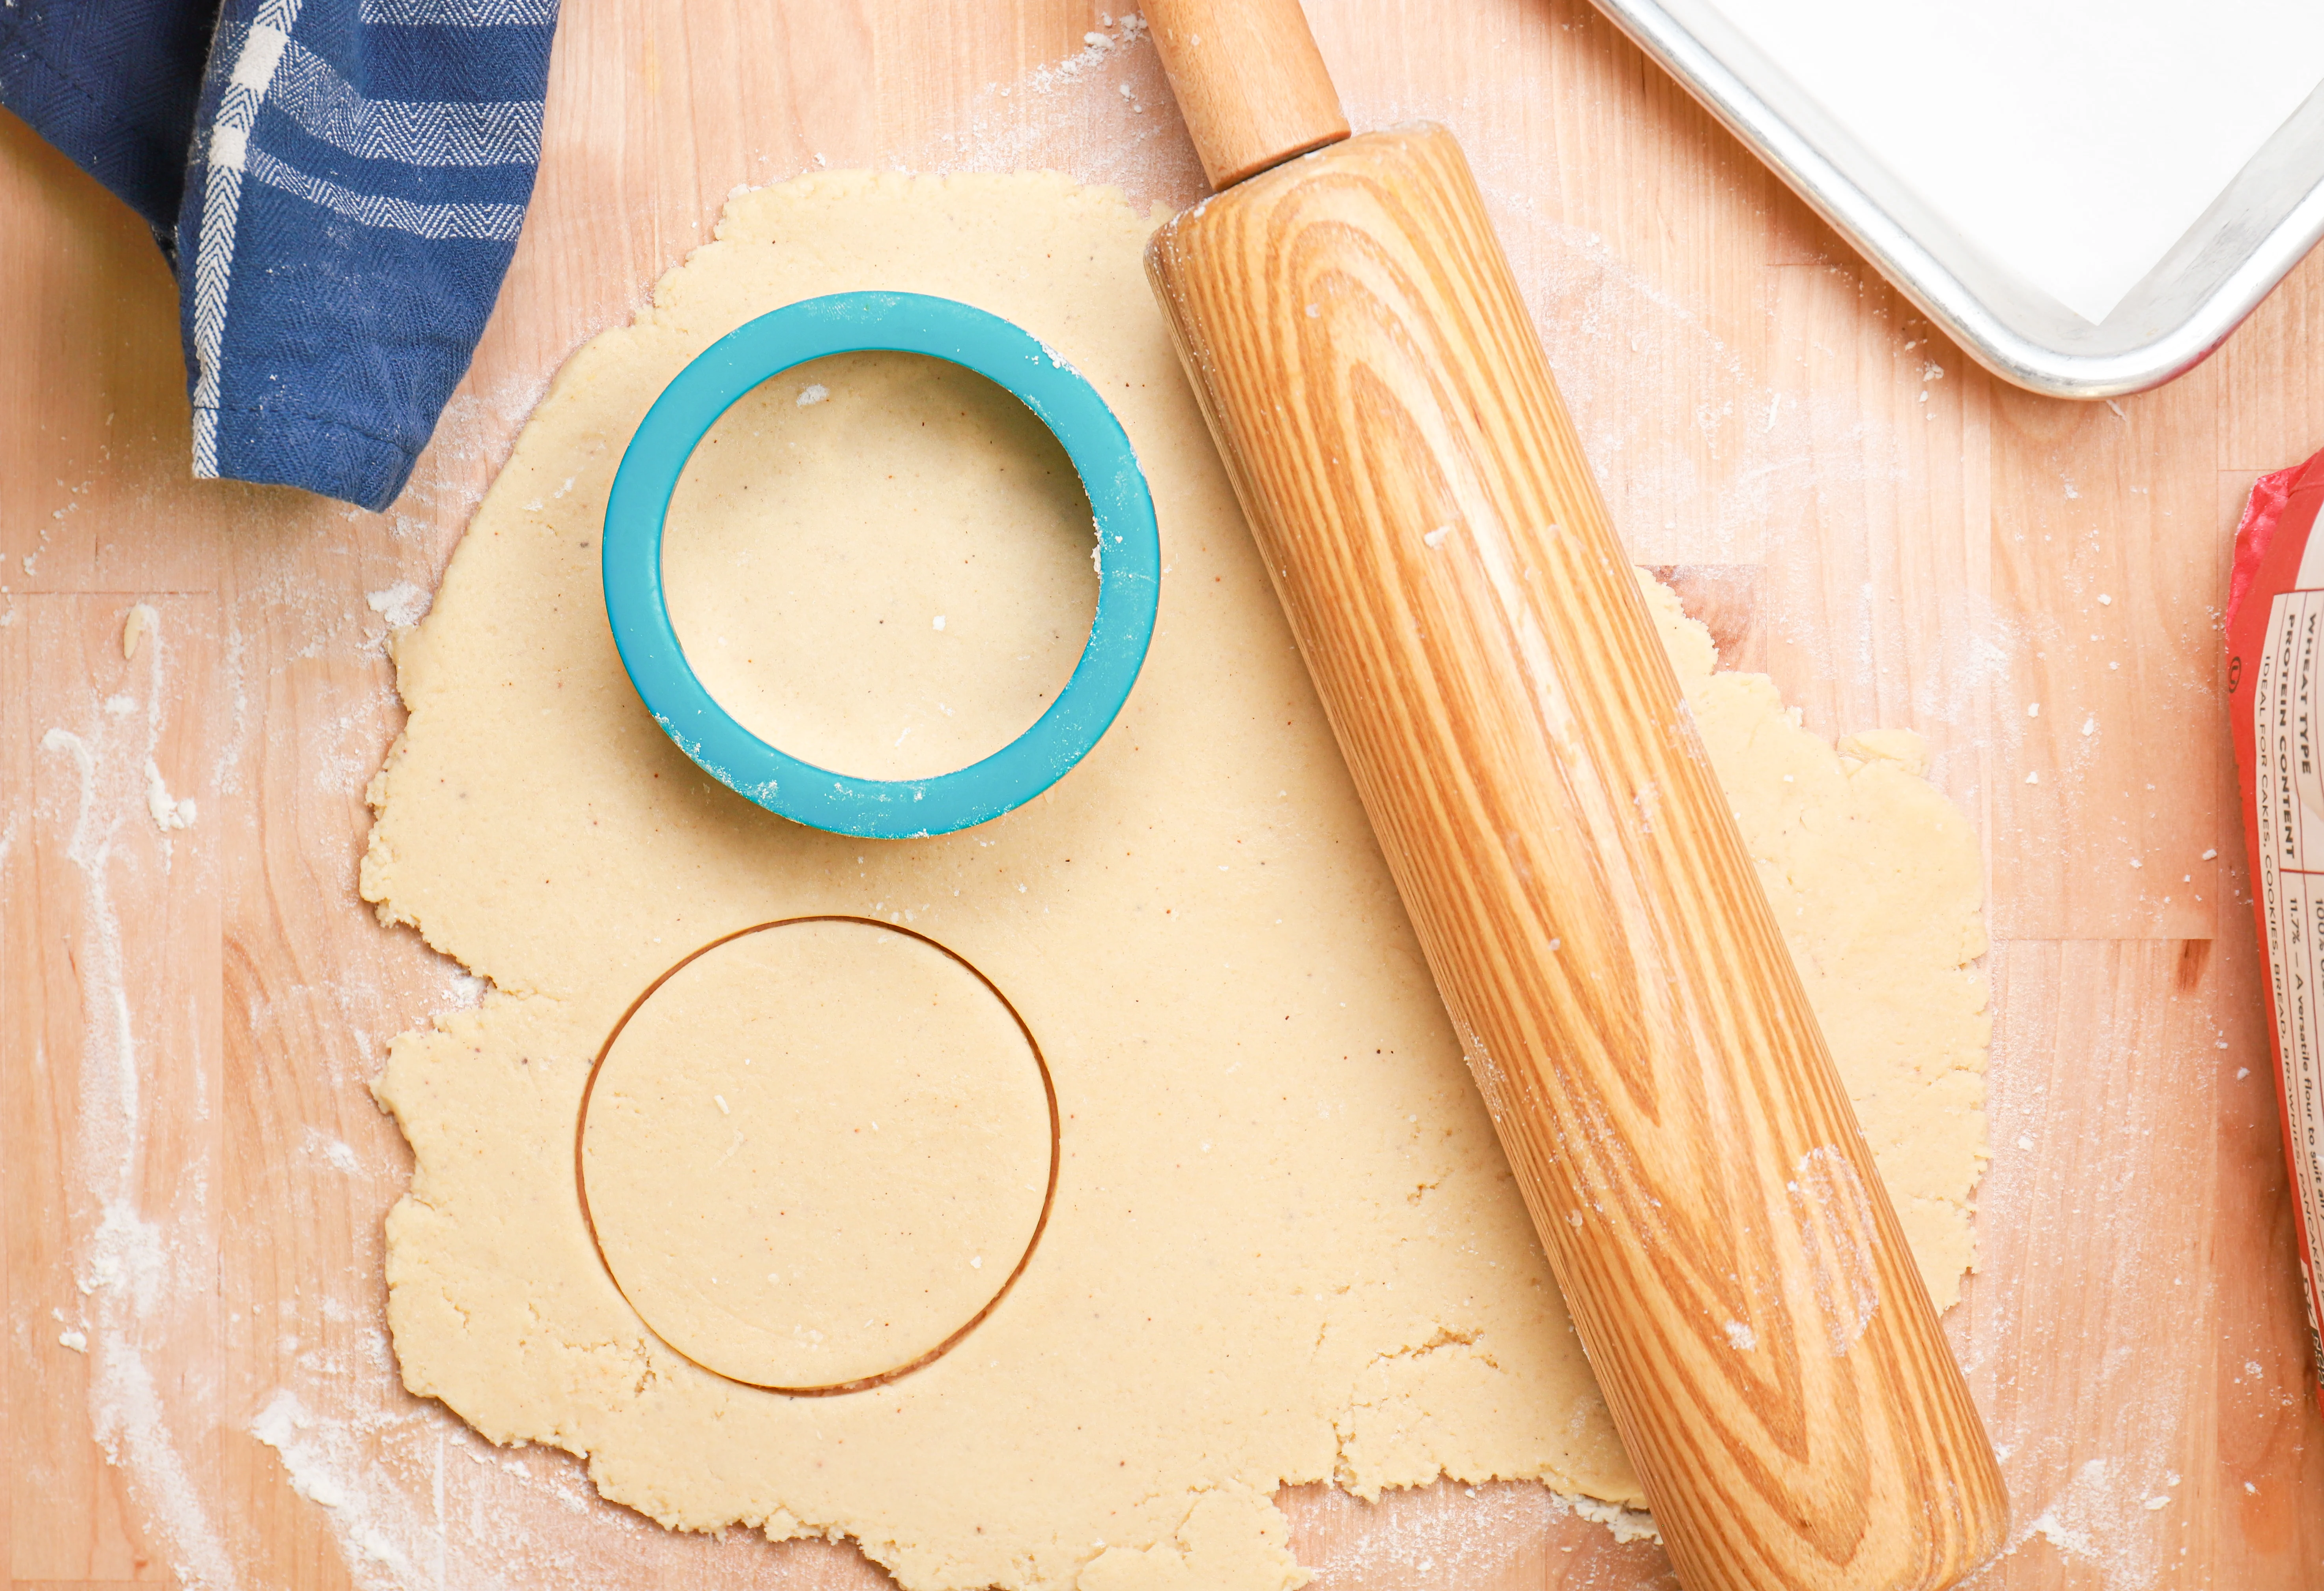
point(816, 1153)
point(1284, 1246)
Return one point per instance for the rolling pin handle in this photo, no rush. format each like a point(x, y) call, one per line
point(1249, 82)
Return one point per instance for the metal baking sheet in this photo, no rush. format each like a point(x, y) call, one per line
point(2255, 232)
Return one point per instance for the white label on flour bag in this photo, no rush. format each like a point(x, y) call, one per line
point(2275, 691)
point(2290, 787)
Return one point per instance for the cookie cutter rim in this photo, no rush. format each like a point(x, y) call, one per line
point(1128, 555)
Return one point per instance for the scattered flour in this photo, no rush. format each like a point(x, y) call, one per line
point(1449, 1535)
point(1103, 114)
point(128, 1271)
point(316, 1458)
point(1837, 1226)
point(333, 1151)
point(166, 812)
point(402, 605)
point(1096, 46)
point(2080, 1520)
point(2085, 1495)
point(415, 1500)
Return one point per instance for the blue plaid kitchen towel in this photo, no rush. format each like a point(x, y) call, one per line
point(338, 185)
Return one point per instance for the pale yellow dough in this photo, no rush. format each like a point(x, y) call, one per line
point(814, 1153)
point(892, 580)
point(1285, 1246)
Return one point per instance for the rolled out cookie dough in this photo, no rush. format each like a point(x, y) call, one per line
point(1284, 1246)
point(788, 1102)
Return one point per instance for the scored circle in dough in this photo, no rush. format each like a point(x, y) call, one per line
point(814, 1153)
point(1285, 1246)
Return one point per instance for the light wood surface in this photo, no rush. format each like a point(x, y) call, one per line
point(1656, 1074)
point(1752, 397)
point(1247, 82)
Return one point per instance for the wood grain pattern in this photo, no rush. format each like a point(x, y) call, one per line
point(1896, 520)
point(1649, 1058)
point(127, 1026)
point(2120, 621)
point(2142, 1249)
point(1747, 389)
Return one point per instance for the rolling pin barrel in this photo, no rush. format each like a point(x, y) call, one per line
point(1577, 881)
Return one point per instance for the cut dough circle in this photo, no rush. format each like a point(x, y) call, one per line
point(1285, 1246)
point(816, 1153)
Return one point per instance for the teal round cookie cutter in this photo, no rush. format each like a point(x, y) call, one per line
point(1128, 558)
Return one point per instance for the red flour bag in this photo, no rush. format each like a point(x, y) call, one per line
point(2276, 697)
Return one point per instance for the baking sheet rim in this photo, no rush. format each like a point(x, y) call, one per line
point(2191, 323)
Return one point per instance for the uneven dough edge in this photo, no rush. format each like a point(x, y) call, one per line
point(497, 1305)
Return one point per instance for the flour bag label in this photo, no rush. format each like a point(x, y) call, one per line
point(2275, 695)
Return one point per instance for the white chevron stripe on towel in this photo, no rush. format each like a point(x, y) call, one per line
point(417, 133)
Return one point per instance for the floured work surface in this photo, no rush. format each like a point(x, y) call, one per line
point(1283, 1246)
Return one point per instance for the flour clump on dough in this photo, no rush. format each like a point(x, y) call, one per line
point(1283, 1246)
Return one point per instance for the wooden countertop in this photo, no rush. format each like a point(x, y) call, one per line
point(1901, 540)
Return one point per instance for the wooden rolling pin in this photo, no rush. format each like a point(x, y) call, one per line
point(1577, 879)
